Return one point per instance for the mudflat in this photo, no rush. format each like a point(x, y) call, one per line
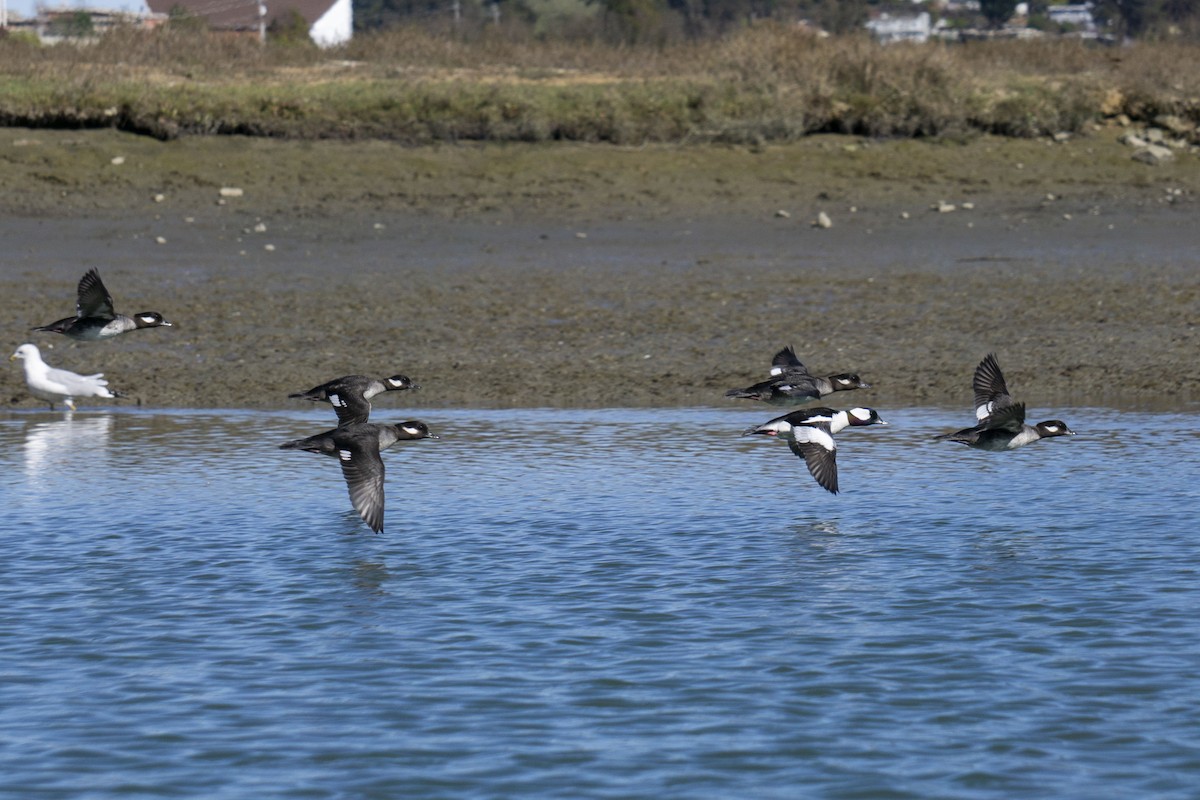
point(573, 275)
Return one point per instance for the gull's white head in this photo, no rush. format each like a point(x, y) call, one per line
point(25, 351)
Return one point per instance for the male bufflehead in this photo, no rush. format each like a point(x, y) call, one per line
point(95, 318)
point(809, 434)
point(357, 447)
point(350, 395)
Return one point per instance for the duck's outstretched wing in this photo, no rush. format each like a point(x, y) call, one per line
point(1007, 418)
point(816, 446)
point(350, 406)
point(346, 395)
point(785, 363)
point(991, 393)
point(363, 470)
point(92, 299)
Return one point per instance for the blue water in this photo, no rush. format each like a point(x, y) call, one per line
point(598, 604)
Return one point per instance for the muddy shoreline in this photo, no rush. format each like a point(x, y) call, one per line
point(591, 276)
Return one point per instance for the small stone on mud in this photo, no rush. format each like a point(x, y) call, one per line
point(1153, 154)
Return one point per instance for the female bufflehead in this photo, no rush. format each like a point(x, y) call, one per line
point(350, 395)
point(809, 434)
point(1001, 423)
point(791, 384)
point(357, 447)
point(95, 318)
point(50, 384)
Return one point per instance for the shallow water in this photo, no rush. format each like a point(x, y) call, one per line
point(623, 603)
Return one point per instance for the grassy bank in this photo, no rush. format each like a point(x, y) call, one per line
point(767, 84)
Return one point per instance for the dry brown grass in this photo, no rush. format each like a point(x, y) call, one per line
point(768, 82)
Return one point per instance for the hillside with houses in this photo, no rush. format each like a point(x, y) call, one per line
point(329, 23)
point(325, 22)
point(959, 20)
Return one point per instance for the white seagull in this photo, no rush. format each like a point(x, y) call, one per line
point(58, 385)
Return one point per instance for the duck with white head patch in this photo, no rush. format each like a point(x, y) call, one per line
point(791, 384)
point(357, 448)
point(1001, 422)
point(95, 319)
point(809, 434)
point(350, 395)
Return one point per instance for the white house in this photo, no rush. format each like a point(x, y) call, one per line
point(335, 26)
point(887, 28)
point(1078, 15)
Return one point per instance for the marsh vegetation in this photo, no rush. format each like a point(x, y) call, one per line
point(763, 83)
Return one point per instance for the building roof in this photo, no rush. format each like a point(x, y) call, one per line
point(243, 14)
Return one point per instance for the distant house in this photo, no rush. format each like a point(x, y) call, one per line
point(1078, 15)
point(330, 22)
point(887, 28)
point(81, 24)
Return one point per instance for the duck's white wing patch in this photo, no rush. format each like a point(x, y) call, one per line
point(819, 452)
point(989, 386)
point(804, 434)
point(1009, 418)
point(992, 407)
point(786, 361)
point(349, 406)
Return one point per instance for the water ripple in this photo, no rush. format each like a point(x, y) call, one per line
point(597, 604)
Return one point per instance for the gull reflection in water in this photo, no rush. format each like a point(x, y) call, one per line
point(70, 440)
